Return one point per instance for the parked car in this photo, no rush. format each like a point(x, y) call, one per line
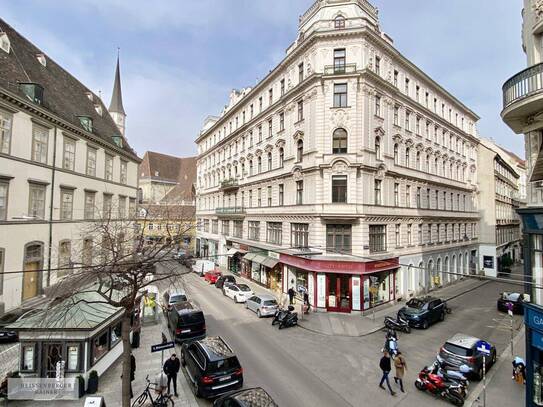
point(9, 335)
point(211, 367)
point(225, 280)
point(255, 397)
point(202, 266)
point(515, 299)
point(460, 350)
point(171, 298)
point(238, 292)
point(186, 322)
point(211, 276)
point(183, 257)
point(422, 312)
point(263, 304)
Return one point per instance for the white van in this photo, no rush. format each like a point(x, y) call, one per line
point(202, 266)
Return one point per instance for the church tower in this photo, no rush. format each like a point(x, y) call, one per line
point(116, 109)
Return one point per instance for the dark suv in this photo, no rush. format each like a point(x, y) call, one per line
point(186, 322)
point(460, 350)
point(211, 367)
point(422, 312)
point(256, 397)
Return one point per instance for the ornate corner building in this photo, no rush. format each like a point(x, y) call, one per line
point(346, 170)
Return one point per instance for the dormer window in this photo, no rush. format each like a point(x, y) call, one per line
point(5, 44)
point(118, 140)
point(339, 23)
point(98, 109)
point(41, 59)
point(86, 123)
point(32, 91)
point(90, 96)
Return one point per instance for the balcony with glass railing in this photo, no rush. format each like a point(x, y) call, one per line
point(340, 69)
point(523, 97)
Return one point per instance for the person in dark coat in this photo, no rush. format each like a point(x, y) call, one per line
point(386, 367)
point(291, 294)
point(132, 372)
point(171, 368)
point(306, 302)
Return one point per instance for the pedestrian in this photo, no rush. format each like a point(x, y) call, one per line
point(306, 302)
point(291, 293)
point(401, 366)
point(171, 368)
point(132, 372)
point(385, 366)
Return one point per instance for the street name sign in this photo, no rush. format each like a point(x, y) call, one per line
point(484, 348)
point(162, 346)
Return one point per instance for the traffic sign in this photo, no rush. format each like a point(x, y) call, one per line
point(162, 346)
point(484, 347)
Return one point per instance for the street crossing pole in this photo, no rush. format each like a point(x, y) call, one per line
point(484, 380)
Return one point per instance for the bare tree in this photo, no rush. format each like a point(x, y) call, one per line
point(116, 260)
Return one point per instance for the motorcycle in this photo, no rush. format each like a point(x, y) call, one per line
point(452, 376)
point(436, 385)
point(399, 324)
point(290, 319)
point(280, 314)
point(391, 343)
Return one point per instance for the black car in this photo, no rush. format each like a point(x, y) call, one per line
point(513, 300)
point(9, 335)
point(422, 312)
point(460, 350)
point(227, 279)
point(186, 322)
point(255, 397)
point(211, 367)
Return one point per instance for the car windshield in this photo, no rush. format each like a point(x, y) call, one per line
point(174, 299)
point(270, 302)
point(244, 287)
point(224, 365)
point(458, 350)
point(511, 296)
point(415, 303)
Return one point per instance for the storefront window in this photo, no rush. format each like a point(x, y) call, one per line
point(28, 358)
point(99, 346)
point(537, 385)
point(537, 268)
point(115, 334)
point(72, 352)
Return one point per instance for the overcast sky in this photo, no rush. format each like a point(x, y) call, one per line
point(181, 58)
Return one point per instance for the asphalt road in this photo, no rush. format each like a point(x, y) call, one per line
point(301, 368)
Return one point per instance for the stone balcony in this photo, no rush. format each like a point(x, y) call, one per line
point(229, 185)
point(344, 69)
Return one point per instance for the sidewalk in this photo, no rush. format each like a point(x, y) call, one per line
point(356, 325)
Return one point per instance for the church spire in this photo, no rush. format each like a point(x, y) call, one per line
point(116, 106)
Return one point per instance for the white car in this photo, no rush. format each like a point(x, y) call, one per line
point(238, 292)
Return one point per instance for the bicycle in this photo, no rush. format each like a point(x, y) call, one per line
point(163, 400)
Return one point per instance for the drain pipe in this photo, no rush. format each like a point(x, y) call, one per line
point(49, 249)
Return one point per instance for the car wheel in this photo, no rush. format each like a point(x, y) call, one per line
point(236, 299)
point(183, 362)
point(442, 316)
point(493, 359)
point(425, 324)
point(258, 314)
point(197, 392)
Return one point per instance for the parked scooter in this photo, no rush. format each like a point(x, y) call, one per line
point(290, 319)
point(280, 314)
point(391, 343)
point(436, 385)
point(399, 324)
point(452, 376)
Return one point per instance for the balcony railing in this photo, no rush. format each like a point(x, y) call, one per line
point(523, 84)
point(230, 210)
point(339, 69)
point(230, 183)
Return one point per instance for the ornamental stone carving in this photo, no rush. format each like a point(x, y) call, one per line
point(280, 143)
point(379, 131)
point(258, 152)
point(381, 171)
point(298, 135)
point(339, 118)
point(537, 7)
point(339, 166)
point(297, 173)
point(268, 148)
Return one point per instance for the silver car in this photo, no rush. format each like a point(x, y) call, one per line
point(263, 304)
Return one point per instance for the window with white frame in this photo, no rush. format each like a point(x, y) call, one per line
point(5, 132)
point(4, 187)
point(91, 161)
point(274, 232)
point(68, 162)
point(90, 197)
point(36, 205)
point(124, 172)
point(40, 140)
point(299, 234)
point(109, 167)
point(254, 230)
point(66, 203)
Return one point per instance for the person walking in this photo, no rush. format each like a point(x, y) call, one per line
point(171, 368)
point(291, 294)
point(401, 366)
point(385, 366)
point(307, 305)
point(132, 372)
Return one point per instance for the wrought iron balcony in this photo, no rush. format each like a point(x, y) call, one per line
point(340, 69)
point(230, 211)
point(229, 184)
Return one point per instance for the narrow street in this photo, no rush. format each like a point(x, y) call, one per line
point(301, 368)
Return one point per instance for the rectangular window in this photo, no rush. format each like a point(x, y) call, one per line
point(274, 232)
point(109, 168)
point(419, 232)
point(254, 230)
point(418, 197)
point(91, 162)
point(378, 105)
point(339, 188)
point(417, 93)
point(409, 234)
point(28, 357)
point(5, 132)
point(40, 140)
point(408, 121)
point(259, 197)
point(282, 88)
point(252, 110)
point(215, 226)
point(100, 346)
point(427, 99)
point(238, 228)
point(131, 207)
point(226, 227)
point(408, 196)
point(281, 121)
point(281, 194)
point(340, 95)
point(250, 198)
point(377, 192)
point(270, 128)
point(260, 104)
point(122, 207)
point(124, 172)
point(377, 238)
point(339, 60)
point(269, 196)
point(89, 204)
point(66, 203)
point(270, 96)
point(417, 126)
point(339, 238)
point(377, 65)
point(397, 235)
point(36, 206)
point(4, 186)
point(407, 86)
point(68, 162)
point(300, 110)
point(430, 227)
point(301, 72)
point(299, 192)
point(299, 234)
point(106, 205)
point(396, 194)
point(396, 78)
point(396, 115)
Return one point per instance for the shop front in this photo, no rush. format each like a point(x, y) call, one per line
point(235, 254)
point(341, 286)
point(263, 269)
point(533, 318)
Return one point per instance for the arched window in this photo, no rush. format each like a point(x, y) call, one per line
point(269, 161)
point(281, 157)
point(378, 148)
point(339, 142)
point(407, 156)
point(396, 154)
point(339, 22)
point(451, 175)
point(259, 161)
point(300, 151)
point(418, 160)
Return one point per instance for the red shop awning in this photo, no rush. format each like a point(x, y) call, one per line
point(340, 266)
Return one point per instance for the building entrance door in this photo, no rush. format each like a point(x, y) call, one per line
point(338, 297)
point(52, 354)
point(30, 280)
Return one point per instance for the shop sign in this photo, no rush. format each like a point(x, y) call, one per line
point(345, 267)
point(356, 293)
point(533, 318)
point(537, 340)
point(321, 287)
point(273, 255)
